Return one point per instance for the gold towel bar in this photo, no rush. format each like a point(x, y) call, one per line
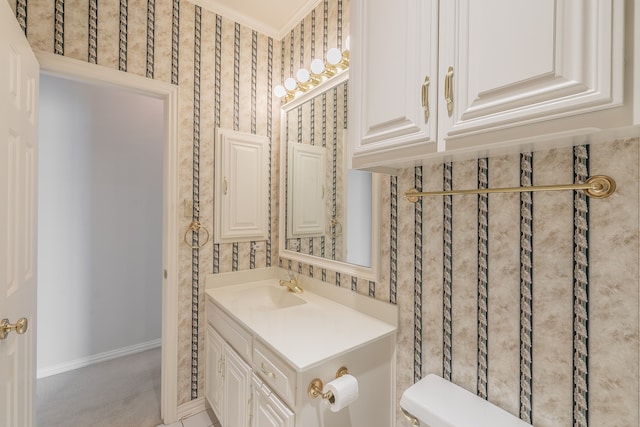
point(598, 186)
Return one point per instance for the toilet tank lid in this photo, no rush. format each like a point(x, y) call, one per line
point(440, 403)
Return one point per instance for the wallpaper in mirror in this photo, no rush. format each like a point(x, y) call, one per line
point(346, 193)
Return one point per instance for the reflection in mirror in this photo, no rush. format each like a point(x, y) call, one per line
point(329, 206)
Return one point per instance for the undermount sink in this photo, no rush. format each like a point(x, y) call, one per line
point(267, 298)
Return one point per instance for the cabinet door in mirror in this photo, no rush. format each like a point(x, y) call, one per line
point(305, 196)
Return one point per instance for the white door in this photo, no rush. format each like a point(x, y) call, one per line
point(215, 373)
point(19, 74)
point(513, 62)
point(242, 161)
point(305, 195)
point(237, 379)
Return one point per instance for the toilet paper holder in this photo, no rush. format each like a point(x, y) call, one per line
point(315, 386)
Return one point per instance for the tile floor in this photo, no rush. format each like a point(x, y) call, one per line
point(201, 419)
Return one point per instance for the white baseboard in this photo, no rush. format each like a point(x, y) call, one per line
point(190, 408)
point(96, 358)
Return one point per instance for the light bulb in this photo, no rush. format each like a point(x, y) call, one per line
point(303, 75)
point(290, 84)
point(334, 56)
point(317, 66)
point(279, 91)
point(347, 43)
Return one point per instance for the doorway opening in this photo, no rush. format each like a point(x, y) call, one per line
point(131, 213)
point(100, 250)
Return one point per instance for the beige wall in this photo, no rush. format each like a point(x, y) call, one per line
point(613, 245)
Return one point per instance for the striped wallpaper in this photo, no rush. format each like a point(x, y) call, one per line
point(530, 301)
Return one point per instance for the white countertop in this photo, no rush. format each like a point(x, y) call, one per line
point(305, 334)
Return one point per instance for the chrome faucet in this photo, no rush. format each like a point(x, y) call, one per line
point(292, 285)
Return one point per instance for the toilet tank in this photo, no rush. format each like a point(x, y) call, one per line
point(436, 402)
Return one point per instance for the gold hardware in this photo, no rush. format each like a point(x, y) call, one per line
point(413, 421)
point(336, 227)
point(20, 327)
point(448, 90)
point(265, 371)
point(342, 371)
point(225, 186)
point(315, 386)
point(598, 186)
point(292, 285)
point(425, 98)
point(195, 226)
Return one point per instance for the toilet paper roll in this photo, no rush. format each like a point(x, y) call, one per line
point(345, 392)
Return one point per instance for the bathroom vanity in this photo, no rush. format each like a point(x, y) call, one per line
point(265, 345)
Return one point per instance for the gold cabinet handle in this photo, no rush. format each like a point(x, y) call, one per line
point(225, 186)
point(265, 371)
point(425, 98)
point(413, 422)
point(448, 90)
point(20, 327)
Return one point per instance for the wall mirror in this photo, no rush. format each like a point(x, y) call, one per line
point(329, 212)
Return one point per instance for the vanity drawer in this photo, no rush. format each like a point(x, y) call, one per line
point(275, 372)
point(230, 330)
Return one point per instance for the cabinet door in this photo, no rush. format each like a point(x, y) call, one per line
point(214, 384)
point(237, 379)
point(393, 53)
point(517, 61)
point(268, 410)
point(305, 196)
point(241, 196)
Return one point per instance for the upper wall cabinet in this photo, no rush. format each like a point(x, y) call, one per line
point(433, 78)
point(241, 187)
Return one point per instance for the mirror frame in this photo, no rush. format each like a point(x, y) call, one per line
point(369, 273)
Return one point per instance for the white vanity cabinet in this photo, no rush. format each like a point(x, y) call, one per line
point(285, 341)
point(430, 78)
point(234, 392)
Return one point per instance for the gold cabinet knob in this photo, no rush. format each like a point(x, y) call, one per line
point(20, 327)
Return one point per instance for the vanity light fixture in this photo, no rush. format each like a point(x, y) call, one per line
point(320, 71)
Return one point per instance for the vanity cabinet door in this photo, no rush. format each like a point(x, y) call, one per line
point(393, 80)
point(267, 409)
point(237, 380)
point(509, 63)
point(214, 385)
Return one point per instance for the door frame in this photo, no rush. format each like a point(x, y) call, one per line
point(68, 68)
